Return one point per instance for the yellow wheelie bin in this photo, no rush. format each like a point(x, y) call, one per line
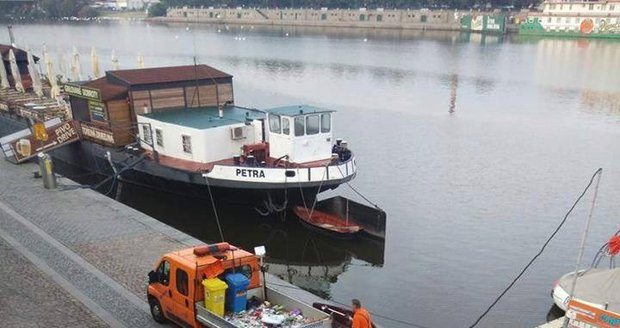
point(215, 295)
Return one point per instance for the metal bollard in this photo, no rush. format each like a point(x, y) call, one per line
point(47, 171)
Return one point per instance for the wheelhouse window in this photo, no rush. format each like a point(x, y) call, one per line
point(299, 126)
point(286, 126)
point(159, 137)
point(187, 144)
point(182, 282)
point(274, 124)
point(312, 124)
point(326, 123)
point(147, 134)
point(163, 272)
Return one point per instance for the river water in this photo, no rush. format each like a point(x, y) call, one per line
point(471, 191)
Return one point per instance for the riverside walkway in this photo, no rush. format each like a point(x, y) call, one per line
point(72, 257)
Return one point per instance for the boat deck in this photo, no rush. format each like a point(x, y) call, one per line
point(192, 166)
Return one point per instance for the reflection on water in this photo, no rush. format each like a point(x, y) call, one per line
point(301, 256)
point(601, 102)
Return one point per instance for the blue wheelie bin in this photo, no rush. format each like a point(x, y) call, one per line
point(236, 295)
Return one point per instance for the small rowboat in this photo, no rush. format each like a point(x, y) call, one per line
point(329, 222)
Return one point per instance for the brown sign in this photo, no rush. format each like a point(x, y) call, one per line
point(91, 132)
point(27, 147)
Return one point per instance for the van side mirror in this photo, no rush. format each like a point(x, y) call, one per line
point(153, 277)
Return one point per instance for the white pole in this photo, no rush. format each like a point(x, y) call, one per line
point(582, 246)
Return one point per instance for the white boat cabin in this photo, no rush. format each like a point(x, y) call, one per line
point(295, 134)
point(200, 134)
point(303, 133)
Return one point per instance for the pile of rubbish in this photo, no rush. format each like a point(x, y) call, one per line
point(267, 315)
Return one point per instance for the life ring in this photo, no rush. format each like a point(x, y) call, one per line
point(587, 26)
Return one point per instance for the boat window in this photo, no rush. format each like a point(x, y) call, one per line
point(299, 126)
point(147, 134)
point(182, 281)
point(187, 143)
point(164, 272)
point(159, 137)
point(286, 126)
point(274, 123)
point(326, 123)
point(312, 124)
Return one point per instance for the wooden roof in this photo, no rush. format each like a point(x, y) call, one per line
point(168, 74)
point(20, 55)
point(107, 90)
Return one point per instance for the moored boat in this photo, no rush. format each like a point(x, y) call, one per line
point(326, 221)
point(584, 19)
point(597, 287)
point(178, 129)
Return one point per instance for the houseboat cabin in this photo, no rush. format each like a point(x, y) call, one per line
point(107, 107)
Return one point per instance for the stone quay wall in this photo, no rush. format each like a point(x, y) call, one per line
point(365, 18)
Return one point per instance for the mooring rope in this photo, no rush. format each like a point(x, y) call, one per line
point(356, 191)
point(542, 249)
point(217, 217)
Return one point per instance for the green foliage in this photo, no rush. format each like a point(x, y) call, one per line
point(88, 11)
point(157, 9)
point(62, 8)
point(46, 9)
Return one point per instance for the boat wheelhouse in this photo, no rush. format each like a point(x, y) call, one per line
point(597, 19)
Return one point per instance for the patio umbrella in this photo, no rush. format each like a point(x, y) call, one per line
point(76, 73)
point(140, 60)
point(94, 62)
point(15, 72)
point(61, 67)
point(4, 80)
point(37, 87)
point(51, 77)
point(115, 65)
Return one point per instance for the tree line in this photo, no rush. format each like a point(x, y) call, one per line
point(46, 9)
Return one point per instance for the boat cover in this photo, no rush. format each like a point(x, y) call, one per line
point(598, 286)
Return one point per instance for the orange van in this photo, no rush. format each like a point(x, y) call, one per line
point(176, 293)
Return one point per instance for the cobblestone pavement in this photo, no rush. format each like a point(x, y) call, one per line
point(101, 249)
point(28, 298)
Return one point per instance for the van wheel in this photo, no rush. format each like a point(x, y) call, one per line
point(156, 311)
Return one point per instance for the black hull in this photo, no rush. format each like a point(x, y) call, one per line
point(91, 157)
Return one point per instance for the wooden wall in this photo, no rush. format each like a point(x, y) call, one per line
point(170, 98)
point(158, 100)
point(121, 122)
point(139, 99)
point(205, 95)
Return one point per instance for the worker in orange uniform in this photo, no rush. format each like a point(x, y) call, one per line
point(361, 317)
